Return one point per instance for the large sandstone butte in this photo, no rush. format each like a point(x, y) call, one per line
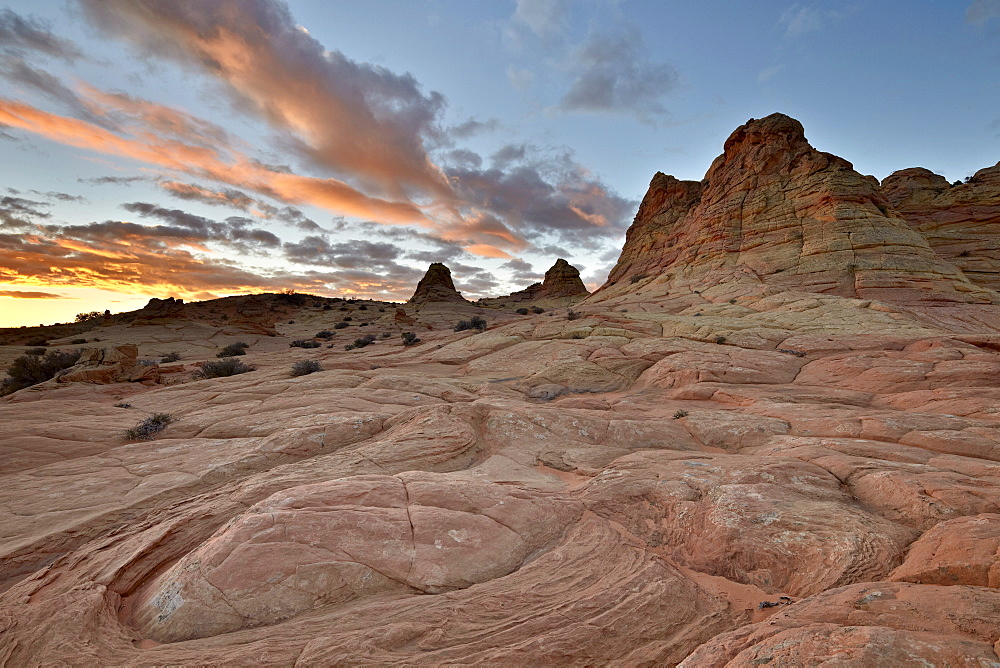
point(772, 438)
point(562, 286)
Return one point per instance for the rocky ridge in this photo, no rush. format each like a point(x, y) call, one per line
point(714, 464)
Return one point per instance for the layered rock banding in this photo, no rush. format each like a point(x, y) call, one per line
point(743, 452)
point(793, 216)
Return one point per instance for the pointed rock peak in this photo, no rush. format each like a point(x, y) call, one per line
point(563, 280)
point(436, 286)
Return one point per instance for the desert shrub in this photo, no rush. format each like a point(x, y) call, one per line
point(537, 309)
point(78, 341)
point(364, 324)
point(381, 310)
point(149, 427)
point(720, 339)
point(362, 308)
point(477, 322)
point(90, 315)
point(291, 298)
point(344, 308)
point(170, 357)
point(365, 340)
point(327, 307)
point(462, 325)
point(227, 366)
point(349, 346)
point(306, 367)
point(680, 414)
point(521, 311)
point(409, 338)
point(348, 318)
point(38, 341)
point(233, 349)
point(35, 352)
point(304, 343)
point(324, 334)
point(572, 315)
point(341, 325)
point(28, 370)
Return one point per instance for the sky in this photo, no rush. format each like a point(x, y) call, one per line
point(181, 148)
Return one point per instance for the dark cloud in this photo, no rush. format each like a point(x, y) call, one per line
point(235, 231)
point(118, 180)
point(472, 127)
point(521, 271)
point(16, 69)
point(225, 197)
point(18, 32)
point(25, 294)
point(612, 74)
point(62, 197)
point(20, 213)
point(352, 254)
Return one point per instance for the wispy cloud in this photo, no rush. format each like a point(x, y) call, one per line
point(32, 34)
point(800, 20)
point(981, 11)
point(27, 294)
point(612, 73)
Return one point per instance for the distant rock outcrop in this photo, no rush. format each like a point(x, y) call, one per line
point(254, 315)
point(562, 282)
point(795, 217)
point(960, 221)
point(109, 365)
point(436, 286)
point(160, 310)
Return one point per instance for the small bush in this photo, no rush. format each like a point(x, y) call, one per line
point(306, 367)
point(720, 339)
point(327, 307)
point(364, 324)
point(476, 323)
point(38, 341)
point(537, 310)
point(362, 308)
point(233, 349)
point(28, 370)
point(733, 300)
point(78, 341)
point(324, 334)
point(344, 308)
point(462, 325)
point(92, 315)
point(364, 340)
point(381, 310)
point(341, 325)
point(348, 318)
point(170, 357)
point(572, 315)
point(35, 352)
point(149, 427)
point(409, 338)
point(680, 414)
point(304, 343)
point(227, 366)
point(521, 311)
point(349, 346)
point(123, 404)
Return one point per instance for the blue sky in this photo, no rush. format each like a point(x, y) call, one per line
point(202, 149)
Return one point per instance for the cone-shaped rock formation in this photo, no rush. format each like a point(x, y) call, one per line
point(562, 280)
point(796, 217)
point(436, 286)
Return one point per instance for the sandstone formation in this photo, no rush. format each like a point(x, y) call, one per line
point(436, 286)
point(109, 365)
point(161, 310)
point(960, 221)
point(794, 218)
point(562, 285)
point(715, 464)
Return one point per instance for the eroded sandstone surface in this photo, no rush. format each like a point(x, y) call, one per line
point(715, 464)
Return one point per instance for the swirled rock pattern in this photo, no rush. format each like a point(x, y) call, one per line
point(741, 451)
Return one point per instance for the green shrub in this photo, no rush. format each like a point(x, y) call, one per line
point(227, 366)
point(300, 343)
point(365, 340)
point(28, 370)
point(409, 338)
point(306, 367)
point(149, 427)
point(233, 349)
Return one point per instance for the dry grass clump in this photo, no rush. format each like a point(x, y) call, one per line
point(306, 367)
point(233, 349)
point(227, 366)
point(150, 427)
